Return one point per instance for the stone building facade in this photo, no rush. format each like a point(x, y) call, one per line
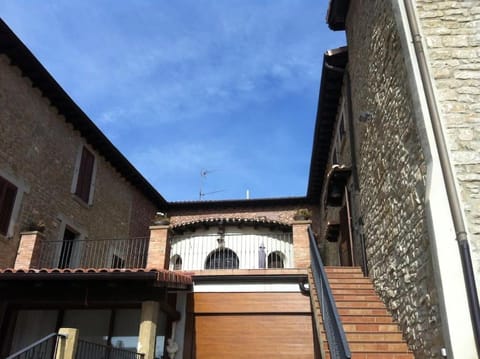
point(41, 155)
point(409, 243)
point(451, 32)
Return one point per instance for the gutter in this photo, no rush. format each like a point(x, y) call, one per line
point(449, 178)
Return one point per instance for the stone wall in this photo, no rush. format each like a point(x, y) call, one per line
point(39, 149)
point(392, 174)
point(451, 30)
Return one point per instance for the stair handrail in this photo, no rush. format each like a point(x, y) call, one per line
point(37, 344)
point(337, 340)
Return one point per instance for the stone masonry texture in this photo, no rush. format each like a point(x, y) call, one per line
point(392, 174)
point(451, 32)
point(40, 148)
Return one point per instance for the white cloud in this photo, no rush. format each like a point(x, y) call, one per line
point(152, 74)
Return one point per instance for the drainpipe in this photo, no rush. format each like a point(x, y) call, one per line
point(445, 164)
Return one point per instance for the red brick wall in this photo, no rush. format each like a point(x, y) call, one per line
point(273, 213)
point(39, 148)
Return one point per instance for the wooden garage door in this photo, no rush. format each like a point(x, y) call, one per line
point(253, 325)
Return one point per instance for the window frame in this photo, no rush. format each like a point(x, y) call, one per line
point(8, 194)
point(221, 258)
point(79, 176)
point(21, 188)
point(65, 223)
point(273, 264)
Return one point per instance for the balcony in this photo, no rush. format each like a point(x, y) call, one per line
point(93, 253)
point(164, 250)
point(231, 251)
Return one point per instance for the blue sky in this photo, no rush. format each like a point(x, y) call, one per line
point(180, 86)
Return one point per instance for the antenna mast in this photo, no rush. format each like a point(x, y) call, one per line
point(203, 176)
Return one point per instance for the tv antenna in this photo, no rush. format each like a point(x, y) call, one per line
point(203, 177)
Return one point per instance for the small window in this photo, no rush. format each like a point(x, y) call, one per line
point(275, 260)
point(176, 262)
point(8, 192)
point(222, 258)
point(85, 175)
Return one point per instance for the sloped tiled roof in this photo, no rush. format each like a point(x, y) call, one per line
point(238, 203)
point(22, 57)
point(159, 275)
point(232, 221)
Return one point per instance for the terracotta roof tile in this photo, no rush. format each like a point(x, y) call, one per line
point(231, 220)
point(163, 275)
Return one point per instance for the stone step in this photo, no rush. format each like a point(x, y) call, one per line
point(342, 275)
point(354, 291)
point(382, 347)
point(365, 319)
point(353, 285)
point(378, 355)
point(371, 327)
point(334, 269)
point(363, 312)
point(371, 337)
point(360, 304)
point(344, 281)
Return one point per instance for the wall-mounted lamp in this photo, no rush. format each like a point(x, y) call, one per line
point(337, 179)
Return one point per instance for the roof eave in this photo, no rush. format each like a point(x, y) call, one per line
point(22, 57)
point(334, 63)
point(337, 14)
point(239, 203)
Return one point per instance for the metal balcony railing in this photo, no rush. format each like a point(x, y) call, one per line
point(88, 350)
point(44, 348)
point(337, 340)
point(93, 253)
point(231, 251)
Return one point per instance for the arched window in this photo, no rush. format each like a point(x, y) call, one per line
point(275, 260)
point(222, 258)
point(176, 262)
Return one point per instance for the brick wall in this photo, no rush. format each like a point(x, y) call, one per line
point(40, 149)
point(451, 30)
point(274, 213)
point(392, 173)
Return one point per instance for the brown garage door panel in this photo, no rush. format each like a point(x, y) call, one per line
point(265, 302)
point(254, 336)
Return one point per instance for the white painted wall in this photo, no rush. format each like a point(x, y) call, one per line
point(195, 247)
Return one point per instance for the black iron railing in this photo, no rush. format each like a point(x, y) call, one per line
point(88, 350)
point(337, 341)
point(44, 348)
point(93, 253)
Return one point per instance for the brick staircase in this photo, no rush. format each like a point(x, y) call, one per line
point(370, 330)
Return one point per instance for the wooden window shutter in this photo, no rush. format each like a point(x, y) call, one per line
point(85, 175)
point(8, 192)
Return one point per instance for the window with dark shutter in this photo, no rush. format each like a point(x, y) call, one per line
point(8, 192)
point(85, 175)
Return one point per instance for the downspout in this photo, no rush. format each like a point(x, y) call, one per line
point(445, 164)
